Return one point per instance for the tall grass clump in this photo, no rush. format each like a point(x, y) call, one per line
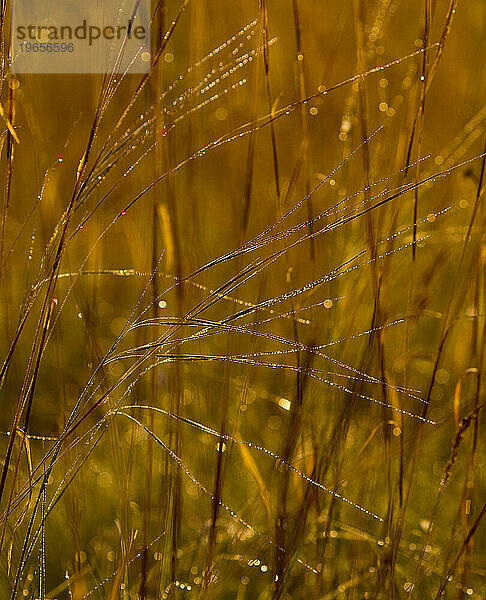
point(242, 309)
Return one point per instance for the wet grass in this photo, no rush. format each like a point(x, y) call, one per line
point(242, 304)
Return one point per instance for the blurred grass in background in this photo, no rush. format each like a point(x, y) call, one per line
point(283, 264)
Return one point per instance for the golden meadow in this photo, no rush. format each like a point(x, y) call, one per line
point(242, 309)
